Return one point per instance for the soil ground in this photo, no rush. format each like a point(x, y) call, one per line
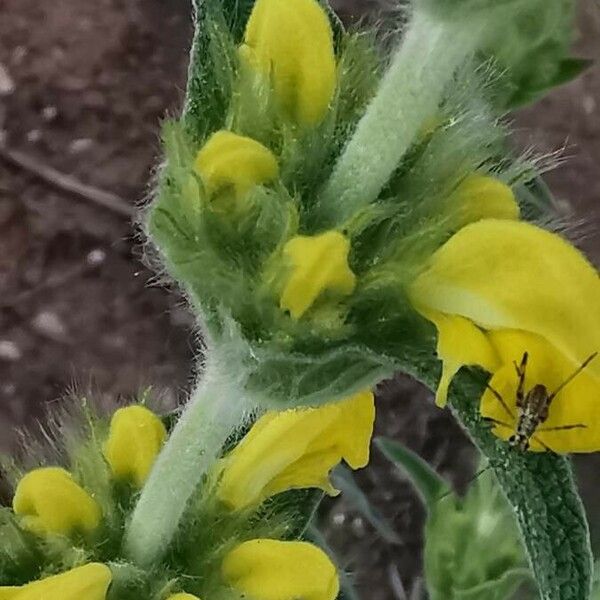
point(84, 85)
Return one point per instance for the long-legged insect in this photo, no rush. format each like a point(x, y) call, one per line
point(533, 407)
point(532, 410)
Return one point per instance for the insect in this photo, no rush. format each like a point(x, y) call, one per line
point(533, 407)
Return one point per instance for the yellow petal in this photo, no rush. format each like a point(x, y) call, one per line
point(90, 581)
point(578, 403)
point(297, 449)
point(49, 501)
point(183, 597)
point(135, 438)
point(482, 197)
point(230, 161)
point(319, 265)
point(273, 570)
point(291, 41)
point(355, 428)
point(513, 275)
point(460, 343)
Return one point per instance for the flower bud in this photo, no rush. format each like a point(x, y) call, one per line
point(236, 163)
point(90, 581)
point(134, 441)
point(49, 501)
point(291, 42)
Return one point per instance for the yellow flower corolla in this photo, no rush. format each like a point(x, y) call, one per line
point(291, 42)
point(135, 438)
point(181, 596)
point(233, 162)
point(318, 266)
point(573, 424)
point(500, 288)
point(266, 569)
point(483, 197)
point(49, 501)
point(297, 449)
point(90, 581)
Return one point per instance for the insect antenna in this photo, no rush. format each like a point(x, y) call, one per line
point(568, 380)
point(474, 478)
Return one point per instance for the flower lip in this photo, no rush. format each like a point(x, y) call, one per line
point(318, 266)
point(297, 449)
point(502, 274)
point(266, 569)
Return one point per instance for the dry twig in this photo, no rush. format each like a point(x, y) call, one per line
point(106, 200)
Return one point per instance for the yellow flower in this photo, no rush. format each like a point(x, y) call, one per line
point(232, 162)
point(297, 449)
point(319, 265)
point(49, 501)
point(460, 343)
point(135, 438)
point(90, 581)
point(266, 569)
point(291, 42)
point(500, 288)
point(483, 197)
point(182, 596)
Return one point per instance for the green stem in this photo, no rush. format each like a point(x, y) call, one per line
point(215, 409)
point(410, 93)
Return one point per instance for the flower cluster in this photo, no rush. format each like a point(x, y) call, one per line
point(312, 295)
point(240, 536)
point(322, 310)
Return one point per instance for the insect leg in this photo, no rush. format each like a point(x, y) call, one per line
point(568, 380)
point(474, 478)
point(558, 428)
point(544, 446)
point(521, 374)
point(497, 422)
point(501, 400)
point(563, 427)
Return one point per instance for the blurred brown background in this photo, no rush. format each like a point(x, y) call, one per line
point(83, 87)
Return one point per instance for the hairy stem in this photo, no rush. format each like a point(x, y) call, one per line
point(410, 93)
point(216, 408)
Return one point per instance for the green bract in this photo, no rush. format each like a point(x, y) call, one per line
point(529, 44)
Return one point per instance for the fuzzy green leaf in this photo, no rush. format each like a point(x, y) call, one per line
point(528, 41)
point(430, 486)
point(566, 71)
point(471, 544)
point(596, 584)
point(210, 71)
